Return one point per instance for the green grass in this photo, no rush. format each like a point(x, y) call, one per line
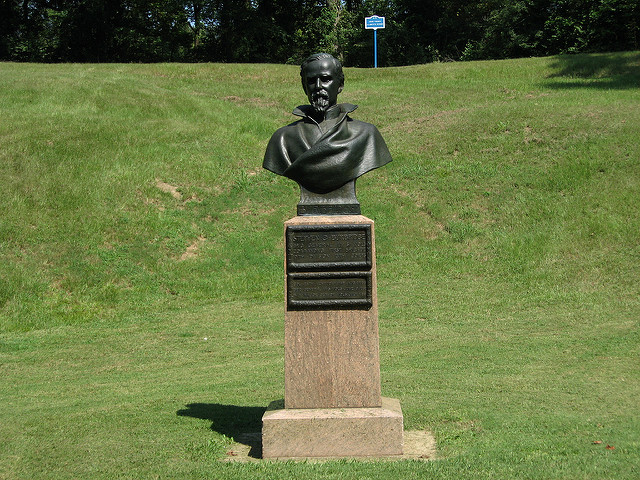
point(141, 291)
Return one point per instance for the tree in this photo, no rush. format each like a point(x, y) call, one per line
point(417, 31)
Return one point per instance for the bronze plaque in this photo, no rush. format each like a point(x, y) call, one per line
point(328, 247)
point(329, 290)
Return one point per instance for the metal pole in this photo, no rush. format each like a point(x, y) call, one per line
point(375, 48)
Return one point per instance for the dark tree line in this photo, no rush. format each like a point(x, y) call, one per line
point(280, 31)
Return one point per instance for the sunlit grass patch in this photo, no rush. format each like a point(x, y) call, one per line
point(142, 265)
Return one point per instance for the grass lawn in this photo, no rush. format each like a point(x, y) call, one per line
point(141, 277)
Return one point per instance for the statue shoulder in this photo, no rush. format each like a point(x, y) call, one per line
point(364, 127)
point(287, 130)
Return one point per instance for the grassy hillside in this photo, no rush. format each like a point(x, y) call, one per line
point(141, 265)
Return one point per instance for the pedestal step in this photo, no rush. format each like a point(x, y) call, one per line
point(333, 432)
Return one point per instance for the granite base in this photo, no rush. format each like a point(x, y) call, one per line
point(333, 432)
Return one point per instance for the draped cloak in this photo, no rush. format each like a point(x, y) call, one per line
point(322, 162)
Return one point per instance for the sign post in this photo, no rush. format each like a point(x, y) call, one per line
point(374, 23)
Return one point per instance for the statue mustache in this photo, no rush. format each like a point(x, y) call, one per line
point(320, 94)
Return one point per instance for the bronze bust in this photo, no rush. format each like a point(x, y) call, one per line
point(326, 150)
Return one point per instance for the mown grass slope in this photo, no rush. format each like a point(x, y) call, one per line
point(141, 274)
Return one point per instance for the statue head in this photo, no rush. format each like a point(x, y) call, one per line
point(322, 80)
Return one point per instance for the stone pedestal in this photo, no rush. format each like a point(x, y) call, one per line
point(333, 432)
point(333, 405)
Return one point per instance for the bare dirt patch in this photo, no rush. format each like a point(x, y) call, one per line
point(531, 136)
point(165, 187)
point(192, 250)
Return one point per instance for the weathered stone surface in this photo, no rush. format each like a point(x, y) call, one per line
point(331, 355)
point(333, 432)
point(333, 406)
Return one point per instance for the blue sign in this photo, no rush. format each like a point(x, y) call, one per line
point(373, 23)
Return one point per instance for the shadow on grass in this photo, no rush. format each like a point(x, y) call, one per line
point(615, 71)
point(243, 424)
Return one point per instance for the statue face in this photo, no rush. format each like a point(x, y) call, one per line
point(321, 84)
